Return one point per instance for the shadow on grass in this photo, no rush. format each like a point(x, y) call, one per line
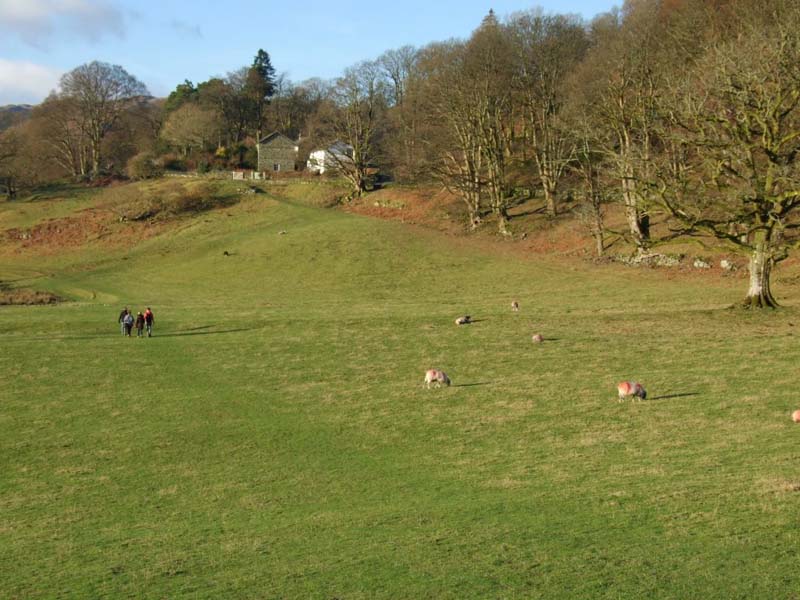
point(473, 384)
point(195, 332)
point(197, 328)
point(110, 334)
point(668, 396)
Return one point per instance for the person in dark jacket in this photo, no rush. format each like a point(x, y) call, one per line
point(121, 320)
point(139, 324)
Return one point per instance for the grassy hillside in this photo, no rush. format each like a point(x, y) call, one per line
point(274, 439)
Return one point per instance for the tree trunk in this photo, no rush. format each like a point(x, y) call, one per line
point(760, 294)
point(473, 210)
point(502, 221)
point(549, 198)
point(599, 245)
point(95, 158)
point(632, 213)
point(11, 190)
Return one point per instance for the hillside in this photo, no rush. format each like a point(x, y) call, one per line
point(11, 114)
point(274, 439)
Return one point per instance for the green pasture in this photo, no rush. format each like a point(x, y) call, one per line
point(274, 440)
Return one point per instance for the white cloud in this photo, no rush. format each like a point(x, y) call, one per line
point(35, 21)
point(24, 82)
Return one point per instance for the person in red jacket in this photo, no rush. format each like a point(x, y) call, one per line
point(148, 321)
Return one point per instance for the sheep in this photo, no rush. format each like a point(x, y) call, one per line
point(631, 388)
point(465, 320)
point(515, 306)
point(537, 338)
point(796, 416)
point(436, 376)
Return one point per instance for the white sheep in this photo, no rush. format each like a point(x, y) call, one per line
point(631, 388)
point(465, 320)
point(436, 376)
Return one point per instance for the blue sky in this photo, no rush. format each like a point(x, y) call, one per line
point(163, 43)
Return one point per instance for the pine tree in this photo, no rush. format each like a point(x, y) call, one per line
point(260, 88)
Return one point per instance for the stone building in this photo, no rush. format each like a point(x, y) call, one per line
point(276, 153)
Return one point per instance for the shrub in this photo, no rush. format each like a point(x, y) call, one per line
point(144, 166)
point(166, 199)
point(172, 162)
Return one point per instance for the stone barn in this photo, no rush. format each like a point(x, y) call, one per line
point(276, 153)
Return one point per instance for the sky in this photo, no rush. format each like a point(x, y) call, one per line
point(165, 42)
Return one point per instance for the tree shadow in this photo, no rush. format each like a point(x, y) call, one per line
point(531, 211)
point(194, 332)
point(668, 396)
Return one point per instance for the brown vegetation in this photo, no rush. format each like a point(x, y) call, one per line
point(22, 296)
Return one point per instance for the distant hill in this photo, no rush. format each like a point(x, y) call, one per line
point(11, 114)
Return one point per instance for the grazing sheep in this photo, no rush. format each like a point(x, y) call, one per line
point(537, 338)
point(515, 306)
point(631, 388)
point(796, 416)
point(436, 376)
point(465, 320)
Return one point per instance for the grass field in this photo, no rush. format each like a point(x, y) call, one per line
point(274, 440)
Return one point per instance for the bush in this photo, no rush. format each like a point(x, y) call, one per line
point(166, 199)
point(144, 166)
point(172, 162)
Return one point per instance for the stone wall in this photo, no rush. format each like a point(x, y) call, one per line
point(277, 154)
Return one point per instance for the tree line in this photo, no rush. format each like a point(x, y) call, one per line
point(685, 112)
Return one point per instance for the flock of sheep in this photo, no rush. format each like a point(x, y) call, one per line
point(625, 389)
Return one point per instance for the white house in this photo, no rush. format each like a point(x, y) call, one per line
point(331, 158)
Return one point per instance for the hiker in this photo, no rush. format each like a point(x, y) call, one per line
point(121, 320)
point(148, 321)
point(128, 323)
point(139, 324)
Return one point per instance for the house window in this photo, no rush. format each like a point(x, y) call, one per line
point(276, 167)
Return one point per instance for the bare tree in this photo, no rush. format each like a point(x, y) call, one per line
point(355, 116)
point(399, 66)
point(453, 137)
point(100, 92)
point(401, 69)
point(488, 69)
point(191, 126)
point(546, 48)
point(9, 149)
point(590, 208)
point(470, 96)
point(730, 165)
point(59, 123)
point(621, 95)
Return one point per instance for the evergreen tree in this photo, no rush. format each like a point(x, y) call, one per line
point(259, 88)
